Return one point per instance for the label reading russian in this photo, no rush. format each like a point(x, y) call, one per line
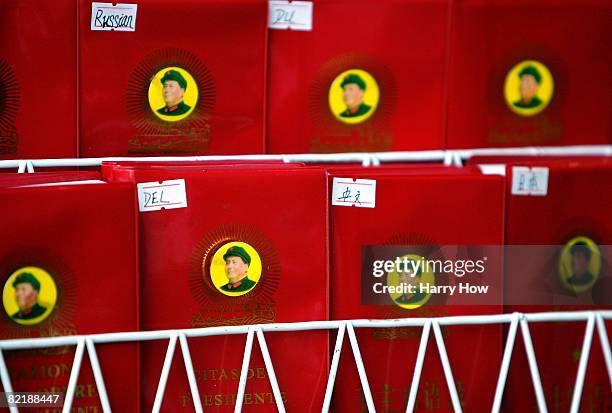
point(110, 16)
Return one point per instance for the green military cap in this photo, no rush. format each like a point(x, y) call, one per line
point(175, 75)
point(581, 248)
point(353, 78)
point(238, 251)
point(531, 70)
point(26, 277)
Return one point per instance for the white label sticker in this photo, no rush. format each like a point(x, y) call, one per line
point(539, 181)
point(120, 17)
point(520, 180)
point(153, 196)
point(295, 15)
point(529, 181)
point(354, 192)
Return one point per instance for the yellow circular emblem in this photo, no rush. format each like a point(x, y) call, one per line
point(29, 295)
point(173, 94)
point(579, 264)
point(528, 88)
point(353, 96)
point(413, 282)
point(235, 269)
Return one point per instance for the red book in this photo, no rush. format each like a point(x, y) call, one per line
point(403, 169)
point(68, 265)
point(415, 212)
point(367, 77)
point(123, 170)
point(271, 224)
point(38, 79)
point(571, 227)
point(189, 79)
point(515, 80)
point(12, 180)
point(491, 159)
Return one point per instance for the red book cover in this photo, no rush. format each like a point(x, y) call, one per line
point(491, 159)
point(403, 169)
point(189, 78)
point(529, 73)
point(271, 224)
point(12, 180)
point(124, 171)
point(368, 77)
point(38, 79)
point(411, 211)
point(572, 220)
point(68, 262)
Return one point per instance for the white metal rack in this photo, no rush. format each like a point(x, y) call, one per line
point(593, 319)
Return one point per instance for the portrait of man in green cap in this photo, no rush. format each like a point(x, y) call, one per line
point(27, 288)
point(353, 90)
point(581, 258)
point(237, 262)
point(408, 277)
point(530, 79)
point(174, 86)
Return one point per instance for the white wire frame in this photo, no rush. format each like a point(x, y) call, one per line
point(448, 157)
point(594, 320)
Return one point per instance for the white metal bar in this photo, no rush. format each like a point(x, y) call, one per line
point(6, 381)
point(333, 371)
point(302, 326)
point(576, 150)
point(457, 161)
point(245, 369)
point(163, 378)
point(411, 156)
point(76, 162)
point(21, 167)
point(399, 322)
point(74, 376)
point(474, 319)
point(558, 316)
point(360, 368)
point(448, 373)
point(418, 368)
point(605, 345)
point(263, 346)
point(356, 157)
point(448, 156)
point(582, 365)
point(505, 365)
point(193, 384)
point(32, 343)
point(533, 365)
point(97, 372)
